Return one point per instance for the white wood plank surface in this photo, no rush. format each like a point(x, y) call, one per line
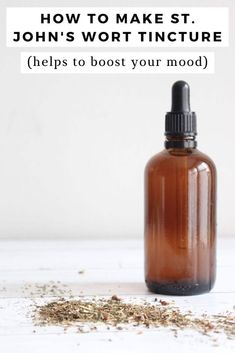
point(110, 267)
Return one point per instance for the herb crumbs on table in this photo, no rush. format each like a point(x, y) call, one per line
point(121, 314)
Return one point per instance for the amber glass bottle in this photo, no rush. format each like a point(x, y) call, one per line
point(180, 208)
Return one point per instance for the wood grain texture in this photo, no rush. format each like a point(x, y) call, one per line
point(110, 267)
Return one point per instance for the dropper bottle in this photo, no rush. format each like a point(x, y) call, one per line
point(180, 207)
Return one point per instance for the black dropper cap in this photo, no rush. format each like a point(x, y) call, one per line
point(180, 121)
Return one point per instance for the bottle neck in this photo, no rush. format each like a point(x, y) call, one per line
point(180, 141)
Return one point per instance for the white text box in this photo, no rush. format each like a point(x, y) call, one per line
point(75, 27)
point(117, 62)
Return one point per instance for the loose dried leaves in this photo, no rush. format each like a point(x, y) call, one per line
point(116, 312)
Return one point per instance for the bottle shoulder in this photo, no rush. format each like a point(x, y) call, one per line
point(172, 158)
point(156, 160)
point(202, 157)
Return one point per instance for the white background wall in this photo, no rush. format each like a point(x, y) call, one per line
point(73, 148)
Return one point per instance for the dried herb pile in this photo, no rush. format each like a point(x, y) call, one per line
point(118, 313)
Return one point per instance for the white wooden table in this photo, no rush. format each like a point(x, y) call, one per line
point(110, 267)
